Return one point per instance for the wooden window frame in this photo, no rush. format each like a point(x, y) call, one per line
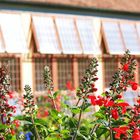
point(8, 56)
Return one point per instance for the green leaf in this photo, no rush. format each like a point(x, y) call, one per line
point(99, 115)
point(42, 127)
point(101, 132)
point(41, 121)
point(54, 114)
point(50, 96)
point(55, 94)
point(75, 110)
point(81, 135)
point(65, 131)
point(119, 100)
point(3, 126)
point(72, 122)
point(86, 106)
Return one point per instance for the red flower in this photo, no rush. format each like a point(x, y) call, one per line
point(46, 113)
point(69, 85)
point(94, 89)
point(136, 135)
point(10, 94)
point(108, 103)
point(100, 101)
point(117, 135)
point(134, 86)
point(13, 132)
point(132, 123)
point(138, 101)
point(125, 67)
point(119, 96)
point(93, 99)
point(115, 114)
point(123, 110)
point(120, 130)
point(123, 104)
point(17, 123)
point(92, 85)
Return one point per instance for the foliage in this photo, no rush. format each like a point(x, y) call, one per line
point(75, 120)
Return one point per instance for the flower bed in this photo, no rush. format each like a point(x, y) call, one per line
point(115, 119)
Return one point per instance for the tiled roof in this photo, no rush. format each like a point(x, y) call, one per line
point(120, 5)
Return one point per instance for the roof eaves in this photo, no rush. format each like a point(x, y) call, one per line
point(46, 7)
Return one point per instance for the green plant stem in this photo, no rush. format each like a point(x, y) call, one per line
point(53, 101)
point(78, 101)
point(94, 129)
point(79, 121)
point(76, 105)
point(35, 128)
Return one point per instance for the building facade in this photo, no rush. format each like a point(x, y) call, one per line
point(65, 37)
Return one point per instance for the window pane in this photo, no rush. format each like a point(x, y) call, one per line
point(64, 72)
point(82, 66)
point(113, 38)
point(130, 38)
point(1, 43)
point(68, 36)
point(26, 20)
point(46, 35)
point(138, 29)
point(40, 63)
point(14, 71)
point(131, 96)
point(88, 36)
point(110, 67)
point(13, 34)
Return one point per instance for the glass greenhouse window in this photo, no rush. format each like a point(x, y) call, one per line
point(88, 36)
point(130, 96)
point(113, 38)
point(138, 29)
point(110, 67)
point(1, 43)
point(82, 66)
point(64, 72)
point(13, 34)
point(68, 36)
point(46, 35)
point(14, 71)
point(130, 37)
point(26, 20)
point(40, 63)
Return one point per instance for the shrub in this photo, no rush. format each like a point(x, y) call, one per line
point(115, 118)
